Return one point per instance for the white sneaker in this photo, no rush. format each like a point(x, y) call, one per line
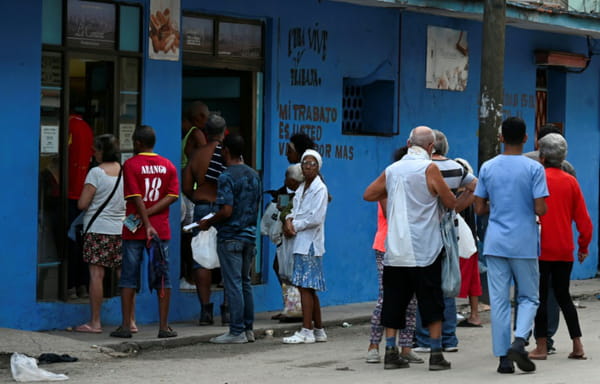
point(320, 335)
point(305, 336)
point(373, 356)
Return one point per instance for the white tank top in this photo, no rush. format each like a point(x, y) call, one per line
point(414, 238)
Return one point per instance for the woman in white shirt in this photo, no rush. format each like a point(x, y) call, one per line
point(102, 241)
point(305, 225)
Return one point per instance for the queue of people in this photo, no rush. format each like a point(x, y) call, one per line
point(127, 209)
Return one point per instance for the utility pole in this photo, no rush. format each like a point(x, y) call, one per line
point(492, 78)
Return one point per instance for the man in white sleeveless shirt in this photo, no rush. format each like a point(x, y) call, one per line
point(414, 187)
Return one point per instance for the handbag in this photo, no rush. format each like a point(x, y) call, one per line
point(450, 264)
point(204, 248)
point(466, 241)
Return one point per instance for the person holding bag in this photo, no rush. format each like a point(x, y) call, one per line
point(306, 226)
point(102, 201)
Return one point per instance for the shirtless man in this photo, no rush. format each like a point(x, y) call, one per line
point(200, 186)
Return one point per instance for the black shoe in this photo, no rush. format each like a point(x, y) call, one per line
point(519, 355)
point(506, 365)
point(206, 316)
point(437, 362)
point(121, 332)
point(164, 333)
point(225, 314)
point(393, 360)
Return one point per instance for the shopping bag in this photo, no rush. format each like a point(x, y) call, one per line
point(285, 259)
point(466, 241)
point(204, 248)
point(450, 263)
point(292, 305)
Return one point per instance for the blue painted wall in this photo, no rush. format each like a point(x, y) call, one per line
point(351, 41)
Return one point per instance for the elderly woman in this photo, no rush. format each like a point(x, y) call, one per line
point(565, 205)
point(305, 224)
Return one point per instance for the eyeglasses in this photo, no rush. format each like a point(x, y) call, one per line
point(309, 163)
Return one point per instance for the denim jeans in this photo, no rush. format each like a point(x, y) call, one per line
point(449, 338)
point(235, 257)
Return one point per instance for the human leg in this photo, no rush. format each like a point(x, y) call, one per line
point(526, 275)
point(553, 317)
point(541, 318)
point(96, 293)
point(499, 279)
point(376, 327)
point(449, 339)
point(247, 263)
point(133, 251)
point(561, 275)
point(231, 260)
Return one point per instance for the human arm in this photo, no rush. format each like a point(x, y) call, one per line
point(311, 213)
point(221, 215)
point(143, 214)
point(583, 223)
point(87, 194)
point(540, 206)
point(438, 187)
point(195, 141)
point(187, 182)
point(482, 206)
point(376, 190)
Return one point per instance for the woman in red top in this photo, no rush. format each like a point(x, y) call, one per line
point(565, 205)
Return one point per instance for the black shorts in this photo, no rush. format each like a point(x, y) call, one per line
point(399, 285)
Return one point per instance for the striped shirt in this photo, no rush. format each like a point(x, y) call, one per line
point(216, 166)
point(454, 174)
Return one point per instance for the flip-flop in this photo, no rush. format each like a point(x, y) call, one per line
point(86, 328)
point(466, 323)
point(577, 357)
point(134, 329)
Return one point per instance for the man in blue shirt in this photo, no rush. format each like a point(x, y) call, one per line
point(238, 196)
point(512, 188)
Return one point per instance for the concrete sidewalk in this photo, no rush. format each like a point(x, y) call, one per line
point(88, 346)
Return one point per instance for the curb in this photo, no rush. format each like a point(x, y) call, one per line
point(131, 348)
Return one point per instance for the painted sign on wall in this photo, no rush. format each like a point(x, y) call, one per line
point(303, 40)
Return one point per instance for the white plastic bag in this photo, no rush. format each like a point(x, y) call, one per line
point(204, 248)
point(270, 225)
point(466, 242)
point(25, 368)
point(285, 259)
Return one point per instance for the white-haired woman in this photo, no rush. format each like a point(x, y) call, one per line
point(565, 206)
point(305, 224)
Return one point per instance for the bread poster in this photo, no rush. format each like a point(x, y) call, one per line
point(163, 39)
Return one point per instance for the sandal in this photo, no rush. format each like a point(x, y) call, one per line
point(86, 328)
point(577, 356)
point(164, 333)
point(121, 332)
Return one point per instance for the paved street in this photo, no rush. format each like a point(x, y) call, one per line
point(341, 360)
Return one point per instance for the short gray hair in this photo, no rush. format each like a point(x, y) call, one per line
point(421, 137)
point(440, 145)
point(553, 148)
point(294, 171)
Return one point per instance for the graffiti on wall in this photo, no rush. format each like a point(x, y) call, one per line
point(311, 120)
point(301, 41)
